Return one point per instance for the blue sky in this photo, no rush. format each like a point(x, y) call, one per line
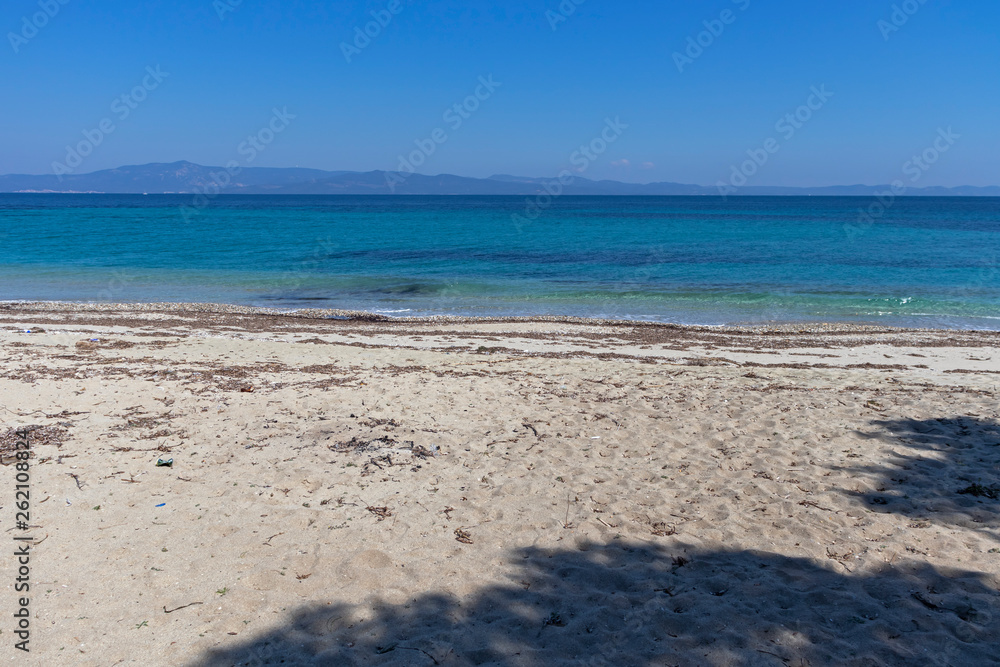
point(892, 89)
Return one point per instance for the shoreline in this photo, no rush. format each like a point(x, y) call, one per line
point(334, 314)
point(713, 194)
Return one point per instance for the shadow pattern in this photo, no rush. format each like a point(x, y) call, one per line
point(944, 471)
point(636, 604)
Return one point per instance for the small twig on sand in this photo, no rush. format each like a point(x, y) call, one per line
point(267, 543)
point(407, 648)
point(179, 608)
point(840, 559)
point(774, 654)
point(535, 431)
point(810, 503)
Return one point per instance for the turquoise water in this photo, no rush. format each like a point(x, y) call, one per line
point(696, 260)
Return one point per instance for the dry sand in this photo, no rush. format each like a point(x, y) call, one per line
point(499, 492)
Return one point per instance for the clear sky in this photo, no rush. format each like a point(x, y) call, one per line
point(892, 89)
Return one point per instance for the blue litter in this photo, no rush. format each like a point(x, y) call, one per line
point(161, 505)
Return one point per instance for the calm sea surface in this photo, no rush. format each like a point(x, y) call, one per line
point(925, 262)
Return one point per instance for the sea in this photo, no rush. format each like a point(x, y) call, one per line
point(910, 262)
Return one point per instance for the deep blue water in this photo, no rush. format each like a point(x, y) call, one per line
point(926, 262)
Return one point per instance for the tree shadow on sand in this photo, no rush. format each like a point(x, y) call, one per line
point(637, 604)
point(944, 471)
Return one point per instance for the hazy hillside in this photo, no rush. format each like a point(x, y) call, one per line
point(186, 177)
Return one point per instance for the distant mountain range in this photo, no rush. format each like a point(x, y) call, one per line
point(187, 177)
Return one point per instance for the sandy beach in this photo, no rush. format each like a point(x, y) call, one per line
point(499, 492)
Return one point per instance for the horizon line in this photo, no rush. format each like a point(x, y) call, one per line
point(482, 178)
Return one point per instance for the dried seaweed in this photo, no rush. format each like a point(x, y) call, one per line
point(381, 513)
point(38, 436)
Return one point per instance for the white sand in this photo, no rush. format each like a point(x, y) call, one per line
point(691, 497)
